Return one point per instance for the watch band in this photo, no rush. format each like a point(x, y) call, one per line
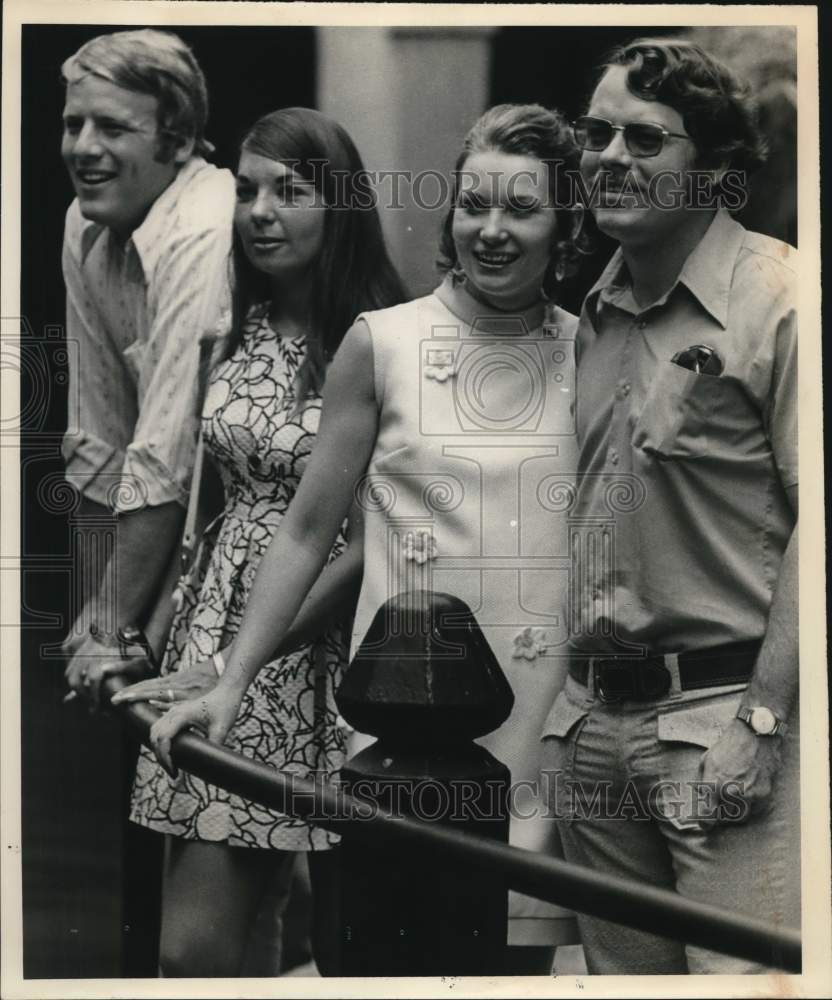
point(132, 635)
point(745, 714)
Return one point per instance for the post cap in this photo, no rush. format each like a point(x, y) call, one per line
point(425, 673)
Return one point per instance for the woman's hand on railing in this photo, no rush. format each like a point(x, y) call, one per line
point(164, 692)
point(212, 714)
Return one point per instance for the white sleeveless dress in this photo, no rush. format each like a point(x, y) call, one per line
point(464, 494)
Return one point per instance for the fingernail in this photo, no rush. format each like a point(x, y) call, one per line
point(69, 697)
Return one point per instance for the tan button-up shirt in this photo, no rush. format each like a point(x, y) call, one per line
point(136, 313)
point(682, 518)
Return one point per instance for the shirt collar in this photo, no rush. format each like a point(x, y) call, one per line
point(709, 269)
point(146, 237)
point(707, 273)
point(613, 280)
point(487, 319)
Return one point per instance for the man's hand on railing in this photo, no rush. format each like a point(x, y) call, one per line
point(179, 686)
point(92, 663)
point(211, 714)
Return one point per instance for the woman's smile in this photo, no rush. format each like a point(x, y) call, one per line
point(504, 227)
point(495, 260)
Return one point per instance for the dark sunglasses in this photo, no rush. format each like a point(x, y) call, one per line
point(640, 138)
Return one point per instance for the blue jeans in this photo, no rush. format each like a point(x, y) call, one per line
point(623, 784)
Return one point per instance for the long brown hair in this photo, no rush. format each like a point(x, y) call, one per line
point(353, 272)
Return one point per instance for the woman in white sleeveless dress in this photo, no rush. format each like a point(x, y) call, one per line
point(450, 419)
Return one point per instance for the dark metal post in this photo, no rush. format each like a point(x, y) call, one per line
point(425, 683)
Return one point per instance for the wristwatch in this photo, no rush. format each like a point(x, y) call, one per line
point(126, 636)
point(132, 635)
point(761, 720)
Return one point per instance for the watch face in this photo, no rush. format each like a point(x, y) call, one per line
point(763, 721)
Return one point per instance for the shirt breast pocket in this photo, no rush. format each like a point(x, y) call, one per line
point(681, 413)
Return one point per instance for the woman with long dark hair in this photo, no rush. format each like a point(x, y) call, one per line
point(308, 257)
point(451, 416)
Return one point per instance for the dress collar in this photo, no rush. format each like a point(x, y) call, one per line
point(487, 319)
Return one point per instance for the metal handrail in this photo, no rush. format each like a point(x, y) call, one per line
point(619, 900)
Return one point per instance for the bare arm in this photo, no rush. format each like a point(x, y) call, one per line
point(740, 756)
point(128, 590)
point(331, 599)
point(291, 564)
point(333, 595)
point(159, 623)
point(775, 680)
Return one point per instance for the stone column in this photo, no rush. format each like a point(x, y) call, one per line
point(407, 96)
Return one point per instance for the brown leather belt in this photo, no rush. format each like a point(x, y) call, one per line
point(647, 678)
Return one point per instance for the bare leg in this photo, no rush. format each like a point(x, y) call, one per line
point(326, 910)
point(210, 896)
point(264, 949)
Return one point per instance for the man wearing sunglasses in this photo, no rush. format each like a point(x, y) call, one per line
point(675, 740)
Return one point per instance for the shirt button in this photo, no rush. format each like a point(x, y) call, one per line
point(625, 388)
point(642, 323)
point(614, 456)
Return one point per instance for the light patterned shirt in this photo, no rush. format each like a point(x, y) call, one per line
point(137, 312)
point(682, 516)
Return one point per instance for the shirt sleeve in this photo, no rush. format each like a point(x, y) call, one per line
point(189, 298)
point(780, 414)
point(768, 307)
point(97, 431)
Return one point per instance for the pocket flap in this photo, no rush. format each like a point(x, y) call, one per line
point(563, 715)
point(701, 723)
point(678, 418)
